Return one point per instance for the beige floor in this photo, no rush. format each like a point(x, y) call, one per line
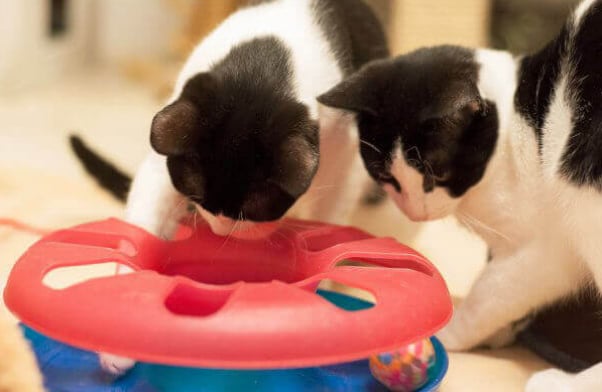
point(41, 184)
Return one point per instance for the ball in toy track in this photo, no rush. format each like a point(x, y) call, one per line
point(406, 369)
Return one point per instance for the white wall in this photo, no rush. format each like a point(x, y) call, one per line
point(134, 29)
point(28, 55)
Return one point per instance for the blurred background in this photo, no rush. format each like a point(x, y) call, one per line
point(45, 40)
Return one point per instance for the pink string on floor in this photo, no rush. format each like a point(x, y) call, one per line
point(24, 227)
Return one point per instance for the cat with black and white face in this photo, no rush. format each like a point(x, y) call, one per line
point(243, 139)
point(510, 146)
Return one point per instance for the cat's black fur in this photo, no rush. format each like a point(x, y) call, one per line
point(539, 78)
point(582, 163)
point(237, 141)
point(538, 75)
point(429, 102)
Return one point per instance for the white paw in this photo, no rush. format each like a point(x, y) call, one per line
point(552, 380)
point(114, 364)
point(454, 339)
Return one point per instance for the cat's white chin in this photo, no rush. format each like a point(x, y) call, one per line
point(415, 212)
point(425, 208)
point(243, 230)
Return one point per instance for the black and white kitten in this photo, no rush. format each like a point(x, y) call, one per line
point(240, 135)
point(513, 148)
point(243, 137)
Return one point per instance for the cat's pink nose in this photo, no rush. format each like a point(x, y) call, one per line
point(221, 225)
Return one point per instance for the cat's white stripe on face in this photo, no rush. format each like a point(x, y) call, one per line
point(417, 204)
point(497, 81)
point(243, 230)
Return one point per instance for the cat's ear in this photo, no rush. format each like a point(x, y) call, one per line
point(355, 94)
point(176, 129)
point(298, 160)
point(461, 104)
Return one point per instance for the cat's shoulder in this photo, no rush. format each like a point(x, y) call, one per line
point(558, 95)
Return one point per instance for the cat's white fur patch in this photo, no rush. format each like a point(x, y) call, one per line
point(417, 204)
point(557, 129)
point(495, 82)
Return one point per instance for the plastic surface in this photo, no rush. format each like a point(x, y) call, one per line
point(208, 301)
point(68, 369)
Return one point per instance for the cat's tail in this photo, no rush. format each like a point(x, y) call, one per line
point(106, 174)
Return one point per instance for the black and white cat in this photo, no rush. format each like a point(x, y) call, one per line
point(513, 148)
point(243, 137)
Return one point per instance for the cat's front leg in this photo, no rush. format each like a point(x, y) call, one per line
point(341, 180)
point(508, 290)
point(154, 205)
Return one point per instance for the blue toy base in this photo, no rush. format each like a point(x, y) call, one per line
point(68, 369)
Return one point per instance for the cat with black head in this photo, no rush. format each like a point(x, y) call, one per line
point(512, 146)
point(242, 139)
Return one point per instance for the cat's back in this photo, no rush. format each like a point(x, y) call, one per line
point(353, 31)
point(560, 97)
point(324, 40)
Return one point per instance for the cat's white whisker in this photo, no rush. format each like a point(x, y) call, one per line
point(372, 146)
point(476, 222)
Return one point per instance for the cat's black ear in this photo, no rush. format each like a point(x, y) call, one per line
point(462, 101)
point(355, 94)
point(176, 129)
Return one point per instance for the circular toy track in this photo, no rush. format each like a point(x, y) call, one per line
point(207, 301)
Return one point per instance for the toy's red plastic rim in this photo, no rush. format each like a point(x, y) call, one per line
point(252, 305)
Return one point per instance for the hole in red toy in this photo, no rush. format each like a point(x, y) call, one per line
point(97, 240)
point(64, 277)
point(187, 300)
point(383, 263)
point(342, 288)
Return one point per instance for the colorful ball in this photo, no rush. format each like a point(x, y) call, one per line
point(406, 369)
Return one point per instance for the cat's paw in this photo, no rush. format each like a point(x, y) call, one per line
point(504, 337)
point(552, 380)
point(454, 338)
point(115, 364)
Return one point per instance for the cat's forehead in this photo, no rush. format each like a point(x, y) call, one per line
point(424, 84)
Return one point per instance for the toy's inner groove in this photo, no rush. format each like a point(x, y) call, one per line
point(220, 268)
point(326, 239)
